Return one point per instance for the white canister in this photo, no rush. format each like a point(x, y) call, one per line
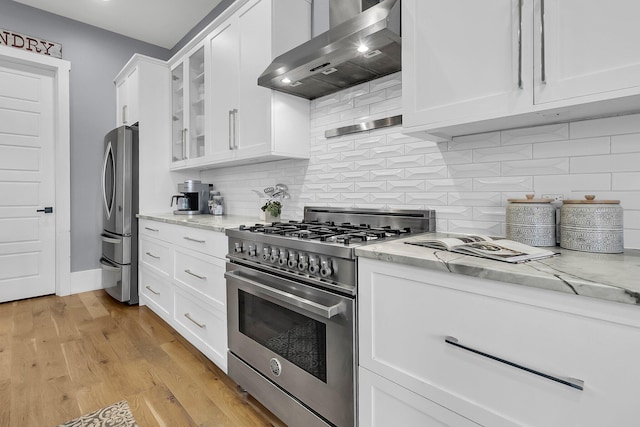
point(591, 225)
point(531, 221)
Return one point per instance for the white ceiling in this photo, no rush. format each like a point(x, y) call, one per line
point(160, 22)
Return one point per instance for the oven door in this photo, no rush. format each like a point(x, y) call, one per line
point(299, 337)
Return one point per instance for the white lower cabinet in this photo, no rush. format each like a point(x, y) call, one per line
point(495, 353)
point(202, 275)
point(182, 281)
point(384, 403)
point(202, 326)
point(157, 292)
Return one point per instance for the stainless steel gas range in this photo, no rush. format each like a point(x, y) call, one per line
point(291, 301)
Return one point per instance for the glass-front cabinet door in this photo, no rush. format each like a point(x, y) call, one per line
point(178, 145)
point(196, 104)
point(188, 109)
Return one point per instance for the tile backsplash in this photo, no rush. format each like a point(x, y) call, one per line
point(467, 180)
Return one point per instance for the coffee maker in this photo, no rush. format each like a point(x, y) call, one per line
point(194, 198)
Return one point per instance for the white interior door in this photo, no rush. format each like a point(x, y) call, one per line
point(27, 182)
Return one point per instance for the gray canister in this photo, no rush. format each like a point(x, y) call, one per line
point(531, 221)
point(592, 225)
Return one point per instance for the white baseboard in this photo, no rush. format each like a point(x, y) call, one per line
point(86, 280)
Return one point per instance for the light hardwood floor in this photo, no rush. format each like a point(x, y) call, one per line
point(62, 357)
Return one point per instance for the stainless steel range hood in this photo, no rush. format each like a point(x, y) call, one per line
point(331, 61)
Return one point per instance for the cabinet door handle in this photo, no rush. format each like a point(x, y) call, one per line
point(124, 114)
point(152, 291)
point(235, 128)
point(195, 275)
point(152, 255)
point(543, 65)
point(191, 239)
point(520, 83)
point(198, 324)
point(230, 130)
point(570, 382)
point(152, 229)
point(184, 143)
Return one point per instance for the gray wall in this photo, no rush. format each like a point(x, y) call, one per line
point(96, 57)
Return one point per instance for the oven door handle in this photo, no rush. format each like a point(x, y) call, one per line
point(310, 306)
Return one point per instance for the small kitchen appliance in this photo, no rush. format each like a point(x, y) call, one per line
point(291, 308)
point(193, 198)
point(119, 236)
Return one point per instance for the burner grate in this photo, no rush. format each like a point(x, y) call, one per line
point(327, 231)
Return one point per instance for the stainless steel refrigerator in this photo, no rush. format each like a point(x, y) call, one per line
point(119, 236)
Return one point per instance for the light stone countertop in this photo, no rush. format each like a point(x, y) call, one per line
point(204, 221)
point(613, 277)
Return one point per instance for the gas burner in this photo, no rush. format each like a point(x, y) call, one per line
point(320, 248)
point(327, 231)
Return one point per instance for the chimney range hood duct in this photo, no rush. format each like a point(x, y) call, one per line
point(331, 61)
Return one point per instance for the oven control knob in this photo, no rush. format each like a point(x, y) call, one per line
point(282, 261)
point(252, 250)
point(265, 253)
point(313, 265)
point(293, 262)
point(237, 248)
point(325, 270)
point(274, 255)
point(302, 263)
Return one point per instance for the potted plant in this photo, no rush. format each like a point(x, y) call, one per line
point(272, 209)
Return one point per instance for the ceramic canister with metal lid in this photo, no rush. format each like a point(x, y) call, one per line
point(592, 225)
point(531, 221)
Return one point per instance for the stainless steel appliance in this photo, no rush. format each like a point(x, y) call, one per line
point(193, 198)
point(362, 44)
point(119, 236)
point(291, 301)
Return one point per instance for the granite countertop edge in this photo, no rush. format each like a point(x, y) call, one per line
point(612, 277)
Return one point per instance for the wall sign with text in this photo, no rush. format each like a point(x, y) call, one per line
point(30, 44)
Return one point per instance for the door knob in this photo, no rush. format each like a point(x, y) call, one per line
point(48, 209)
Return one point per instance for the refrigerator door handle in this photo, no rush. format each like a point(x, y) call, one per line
point(114, 240)
point(109, 166)
point(106, 265)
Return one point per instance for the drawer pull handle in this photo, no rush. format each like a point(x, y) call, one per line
point(152, 255)
point(152, 291)
point(200, 325)
point(570, 382)
point(195, 275)
point(152, 229)
point(191, 239)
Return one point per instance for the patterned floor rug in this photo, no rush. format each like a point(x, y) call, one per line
point(116, 415)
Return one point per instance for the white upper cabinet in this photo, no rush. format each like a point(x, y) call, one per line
point(142, 91)
point(223, 44)
point(127, 98)
point(471, 67)
point(246, 122)
point(188, 109)
point(589, 49)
